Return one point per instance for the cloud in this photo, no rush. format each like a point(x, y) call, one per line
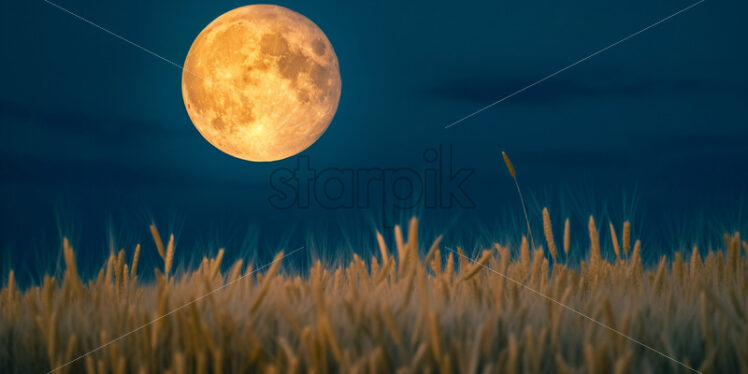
point(586, 158)
point(25, 120)
point(46, 146)
point(701, 141)
point(487, 88)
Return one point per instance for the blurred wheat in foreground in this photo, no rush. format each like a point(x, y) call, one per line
point(406, 310)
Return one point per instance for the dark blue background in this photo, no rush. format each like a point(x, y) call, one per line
point(95, 142)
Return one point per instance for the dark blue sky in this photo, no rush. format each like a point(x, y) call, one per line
point(94, 134)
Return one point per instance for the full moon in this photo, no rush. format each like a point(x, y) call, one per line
point(261, 83)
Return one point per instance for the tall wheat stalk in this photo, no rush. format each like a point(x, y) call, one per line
point(513, 173)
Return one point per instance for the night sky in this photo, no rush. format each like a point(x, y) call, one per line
point(95, 140)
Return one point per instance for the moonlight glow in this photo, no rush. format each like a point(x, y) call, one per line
point(261, 83)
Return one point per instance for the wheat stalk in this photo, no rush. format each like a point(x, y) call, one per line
point(595, 256)
point(513, 173)
point(567, 238)
point(340, 318)
point(11, 296)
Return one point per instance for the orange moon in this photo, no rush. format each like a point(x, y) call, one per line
point(261, 83)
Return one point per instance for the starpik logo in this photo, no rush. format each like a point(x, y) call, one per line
point(438, 185)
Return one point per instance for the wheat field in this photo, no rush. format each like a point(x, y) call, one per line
point(409, 309)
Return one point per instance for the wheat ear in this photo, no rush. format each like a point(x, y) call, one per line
point(135, 259)
point(614, 240)
point(548, 231)
point(169, 259)
point(266, 282)
point(157, 240)
point(478, 265)
point(626, 238)
point(382, 248)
